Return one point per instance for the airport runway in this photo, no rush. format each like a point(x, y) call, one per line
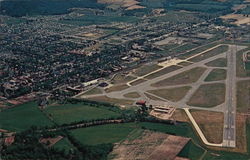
point(229, 134)
point(228, 107)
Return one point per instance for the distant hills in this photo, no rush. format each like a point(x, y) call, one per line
point(44, 7)
point(51, 7)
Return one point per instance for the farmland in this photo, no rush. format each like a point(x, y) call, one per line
point(110, 133)
point(68, 113)
point(23, 117)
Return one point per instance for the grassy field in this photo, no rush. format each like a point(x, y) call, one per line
point(116, 88)
point(248, 135)
point(120, 78)
point(185, 64)
point(243, 96)
point(186, 77)
point(97, 19)
point(138, 82)
point(152, 97)
point(240, 71)
point(192, 151)
point(132, 95)
point(211, 53)
point(197, 50)
point(64, 144)
point(110, 133)
point(221, 155)
point(93, 91)
point(113, 133)
point(162, 72)
point(208, 95)
point(172, 94)
point(143, 70)
point(181, 129)
point(180, 115)
point(220, 62)
point(211, 124)
point(23, 117)
point(68, 113)
point(112, 100)
point(216, 75)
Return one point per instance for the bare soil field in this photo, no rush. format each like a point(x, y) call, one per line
point(50, 141)
point(128, 4)
point(151, 145)
point(239, 19)
point(211, 124)
point(180, 115)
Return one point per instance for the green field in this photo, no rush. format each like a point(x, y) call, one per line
point(171, 94)
point(162, 72)
point(243, 96)
point(197, 50)
point(248, 135)
point(192, 151)
point(110, 133)
point(64, 144)
point(93, 91)
point(222, 155)
point(182, 129)
point(208, 95)
point(143, 70)
point(23, 117)
point(240, 71)
point(132, 95)
point(121, 78)
point(220, 62)
point(216, 75)
point(139, 81)
point(98, 19)
point(186, 77)
point(218, 50)
point(68, 113)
